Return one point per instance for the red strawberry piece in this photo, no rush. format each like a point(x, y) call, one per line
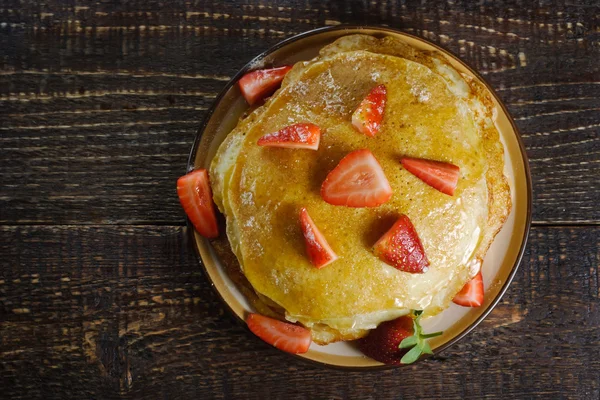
point(382, 344)
point(471, 294)
point(297, 136)
point(439, 175)
point(401, 247)
point(367, 117)
point(317, 248)
point(195, 196)
point(357, 181)
point(282, 335)
point(256, 85)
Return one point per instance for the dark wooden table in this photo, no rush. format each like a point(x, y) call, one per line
point(101, 296)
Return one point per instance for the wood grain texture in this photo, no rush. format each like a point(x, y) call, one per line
point(100, 293)
point(124, 312)
point(91, 93)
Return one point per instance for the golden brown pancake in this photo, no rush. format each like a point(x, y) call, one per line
point(432, 112)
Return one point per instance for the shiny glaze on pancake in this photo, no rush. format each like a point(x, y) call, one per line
point(262, 189)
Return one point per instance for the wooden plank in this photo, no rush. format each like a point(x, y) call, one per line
point(124, 311)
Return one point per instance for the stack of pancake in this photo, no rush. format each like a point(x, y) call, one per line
point(432, 112)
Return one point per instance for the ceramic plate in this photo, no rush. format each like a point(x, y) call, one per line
point(501, 261)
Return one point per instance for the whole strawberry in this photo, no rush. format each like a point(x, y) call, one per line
point(390, 341)
point(383, 343)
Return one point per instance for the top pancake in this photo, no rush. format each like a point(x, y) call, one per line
point(432, 112)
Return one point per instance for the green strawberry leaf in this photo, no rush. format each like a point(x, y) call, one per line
point(408, 342)
point(430, 335)
point(418, 341)
point(425, 348)
point(411, 356)
point(416, 327)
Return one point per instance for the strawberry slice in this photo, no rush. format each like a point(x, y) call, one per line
point(471, 294)
point(256, 85)
point(401, 247)
point(317, 248)
point(439, 175)
point(383, 343)
point(297, 136)
point(287, 337)
point(357, 181)
point(195, 196)
point(367, 117)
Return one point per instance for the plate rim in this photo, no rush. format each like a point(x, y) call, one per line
point(522, 150)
